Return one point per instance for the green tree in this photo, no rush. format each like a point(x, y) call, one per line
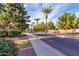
point(65, 21)
point(22, 17)
point(40, 27)
point(14, 14)
point(46, 11)
point(33, 23)
point(51, 25)
point(76, 22)
point(5, 16)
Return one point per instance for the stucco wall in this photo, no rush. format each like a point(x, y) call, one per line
point(62, 31)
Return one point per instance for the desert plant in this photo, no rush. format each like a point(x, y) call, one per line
point(3, 33)
point(8, 48)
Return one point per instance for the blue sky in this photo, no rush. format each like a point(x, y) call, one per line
point(34, 10)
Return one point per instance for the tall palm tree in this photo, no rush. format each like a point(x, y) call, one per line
point(46, 11)
point(33, 25)
point(37, 19)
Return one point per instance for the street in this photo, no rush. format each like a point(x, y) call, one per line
point(69, 47)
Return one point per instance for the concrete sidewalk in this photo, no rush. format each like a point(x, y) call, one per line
point(43, 49)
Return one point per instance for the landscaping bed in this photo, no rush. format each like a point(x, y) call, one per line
point(16, 43)
point(22, 43)
point(8, 48)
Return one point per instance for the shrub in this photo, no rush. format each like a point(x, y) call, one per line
point(8, 48)
point(74, 33)
point(3, 33)
point(14, 33)
point(11, 33)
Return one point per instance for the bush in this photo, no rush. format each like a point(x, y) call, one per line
point(10, 33)
point(8, 48)
point(13, 33)
point(3, 33)
point(74, 33)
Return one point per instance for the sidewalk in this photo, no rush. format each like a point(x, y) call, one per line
point(43, 49)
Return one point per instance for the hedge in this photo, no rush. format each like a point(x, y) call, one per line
point(3, 33)
point(9, 33)
point(14, 33)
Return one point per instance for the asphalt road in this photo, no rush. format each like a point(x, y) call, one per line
point(69, 47)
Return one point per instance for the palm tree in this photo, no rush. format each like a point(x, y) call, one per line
point(37, 19)
point(46, 11)
point(33, 25)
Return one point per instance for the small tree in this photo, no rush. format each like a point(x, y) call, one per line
point(75, 23)
point(40, 27)
point(51, 25)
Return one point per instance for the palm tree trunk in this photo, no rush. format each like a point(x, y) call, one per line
point(37, 25)
point(37, 22)
point(46, 30)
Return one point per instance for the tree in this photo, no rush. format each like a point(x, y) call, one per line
point(5, 16)
point(46, 11)
point(14, 14)
point(40, 27)
point(65, 21)
point(76, 22)
point(37, 19)
point(22, 17)
point(33, 25)
point(51, 25)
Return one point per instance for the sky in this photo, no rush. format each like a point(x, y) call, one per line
point(34, 10)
